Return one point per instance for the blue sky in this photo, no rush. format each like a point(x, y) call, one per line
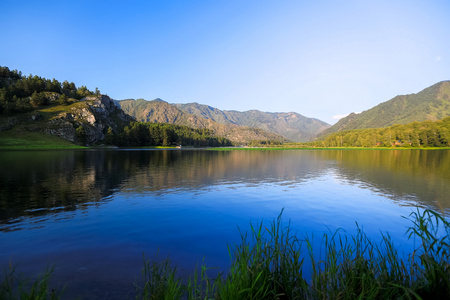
point(319, 58)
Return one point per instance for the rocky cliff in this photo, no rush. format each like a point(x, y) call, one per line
point(88, 120)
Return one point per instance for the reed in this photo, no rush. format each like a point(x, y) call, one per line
point(266, 265)
point(159, 281)
point(16, 286)
point(269, 264)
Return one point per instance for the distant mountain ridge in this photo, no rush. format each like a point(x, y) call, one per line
point(432, 103)
point(291, 125)
point(160, 111)
point(77, 114)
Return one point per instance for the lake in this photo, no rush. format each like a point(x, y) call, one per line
point(93, 214)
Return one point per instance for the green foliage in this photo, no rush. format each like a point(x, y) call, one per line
point(158, 111)
point(37, 99)
point(82, 92)
point(264, 143)
point(140, 134)
point(415, 134)
point(22, 93)
point(69, 89)
point(81, 135)
point(432, 103)
point(159, 281)
point(270, 265)
point(14, 286)
point(63, 99)
point(16, 139)
point(430, 263)
point(110, 138)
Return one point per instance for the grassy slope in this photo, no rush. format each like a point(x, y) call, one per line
point(20, 139)
point(432, 103)
point(30, 135)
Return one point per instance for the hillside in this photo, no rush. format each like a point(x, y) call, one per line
point(159, 111)
point(35, 109)
point(414, 134)
point(38, 113)
point(292, 126)
point(433, 103)
point(32, 104)
point(84, 122)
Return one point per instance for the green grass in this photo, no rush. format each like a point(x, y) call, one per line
point(29, 135)
point(270, 262)
point(16, 286)
point(20, 139)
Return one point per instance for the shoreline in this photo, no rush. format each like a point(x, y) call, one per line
point(40, 146)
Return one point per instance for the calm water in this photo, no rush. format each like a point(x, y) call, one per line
point(92, 214)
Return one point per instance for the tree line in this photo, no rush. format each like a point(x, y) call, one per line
point(415, 134)
point(141, 134)
point(264, 143)
point(19, 93)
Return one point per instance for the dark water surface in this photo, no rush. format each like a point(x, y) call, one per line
point(92, 214)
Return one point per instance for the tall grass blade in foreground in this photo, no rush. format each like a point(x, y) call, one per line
point(269, 264)
point(201, 286)
point(14, 286)
point(430, 262)
point(159, 281)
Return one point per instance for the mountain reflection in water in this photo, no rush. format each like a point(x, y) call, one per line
point(36, 183)
point(93, 213)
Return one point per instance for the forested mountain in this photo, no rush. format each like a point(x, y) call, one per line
point(433, 103)
point(32, 104)
point(20, 93)
point(140, 134)
point(292, 126)
point(159, 111)
point(32, 108)
point(414, 134)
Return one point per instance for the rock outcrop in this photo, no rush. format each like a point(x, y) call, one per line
point(87, 121)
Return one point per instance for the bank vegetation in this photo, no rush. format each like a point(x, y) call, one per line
point(271, 262)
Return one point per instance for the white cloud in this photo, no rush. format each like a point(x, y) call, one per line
point(337, 117)
point(438, 58)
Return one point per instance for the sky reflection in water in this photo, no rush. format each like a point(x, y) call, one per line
point(92, 213)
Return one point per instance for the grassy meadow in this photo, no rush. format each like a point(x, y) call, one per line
point(19, 139)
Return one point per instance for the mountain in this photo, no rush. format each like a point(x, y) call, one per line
point(432, 103)
point(34, 109)
point(88, 120)
point(160, 111)
point(292, 126)
point(85, 122)
point(414, 134)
